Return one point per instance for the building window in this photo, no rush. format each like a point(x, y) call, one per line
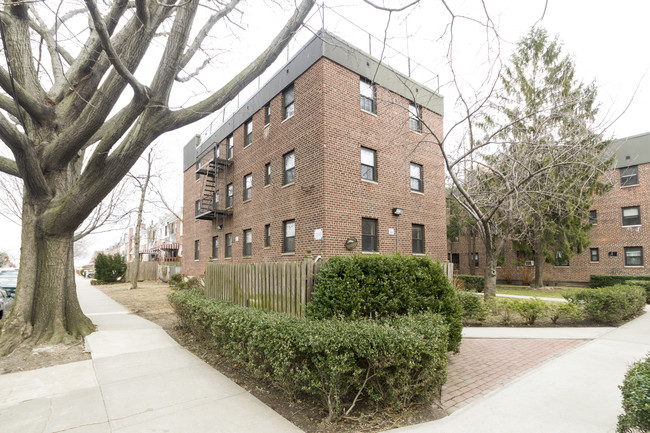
point(289, 175)
point(417, 231)
point(248, 242)
point(369, 235)
point(633, 256)
point(561, 259)
point(197, 207)
point(367, 90)
point(217, 152)
point(455, 259)
point(248, 186)
point(229, 195)
point(267, 174)
point(215, 247)
point(368, 164)
point(196, 249)
point(630, 176)
point(231, 146)
point(267, 235)
point(416, 177)
point(288, 102)
point(631, 216)
point(593, 217)
point(248, 132)
point(216, 199)
point(198, 167)
point(289, 241)
point(414, 118)
point(593, 255)
point(229, 245)
point(267, 114)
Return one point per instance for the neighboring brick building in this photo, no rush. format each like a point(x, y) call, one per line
point(620, 236)
point(315, 160)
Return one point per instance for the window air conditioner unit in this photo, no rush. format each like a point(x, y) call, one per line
point(530, 263)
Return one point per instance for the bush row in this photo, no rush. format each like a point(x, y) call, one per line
point(379, 286)
point(644, 284)
point(510, 311)
point(388, 362)
point(636, 399)
point(607, 305)
point(611, 304)
point(472, 283)
point(596, 280)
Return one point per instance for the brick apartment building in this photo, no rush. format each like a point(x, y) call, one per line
point(620, 235)
point(320, 159)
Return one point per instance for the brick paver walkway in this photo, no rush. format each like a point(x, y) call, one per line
point(484, 365)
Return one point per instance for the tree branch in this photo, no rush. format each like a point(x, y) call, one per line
point(9, 166)
point(191, 114)
point(26, 100)
point(104, 36)
point(203, 33)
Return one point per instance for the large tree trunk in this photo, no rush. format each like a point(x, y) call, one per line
point(539, 266)
point(46, 309)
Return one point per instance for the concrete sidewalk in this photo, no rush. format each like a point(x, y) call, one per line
point(139, 380)
point(574, 393)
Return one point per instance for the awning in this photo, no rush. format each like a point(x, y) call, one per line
point(152, 252)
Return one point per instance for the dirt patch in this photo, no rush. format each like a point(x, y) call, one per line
point(150, 302)
point(26, 358)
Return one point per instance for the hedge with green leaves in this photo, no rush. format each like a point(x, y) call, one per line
point(389, 362)
point(471, 304)
point(611, 304)
point(472, 283)
point(610, 280)
point(644, 284)
point(636, 399)
point(378, 286)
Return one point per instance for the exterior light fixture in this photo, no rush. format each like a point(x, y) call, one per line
point(350, 244)
point(397, 211)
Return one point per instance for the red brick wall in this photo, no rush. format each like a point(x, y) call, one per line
point(326, 133)
point(608, 235)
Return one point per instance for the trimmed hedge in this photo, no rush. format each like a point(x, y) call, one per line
point(389, 362)
point(610, 280)
point(610, 304)
point(636, 399)
point(472, 283)
point(644, 284)
point(378, 286)
point(109, 268)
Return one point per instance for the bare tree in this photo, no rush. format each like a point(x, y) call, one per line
point(63, 93)
point(142, 184)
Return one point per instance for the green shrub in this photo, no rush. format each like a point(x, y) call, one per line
point(503, 308)
point(530, 309)
point(610, 304)
point(175, 279)
point(378, 286)
point(472, 283)
point(636, 399)
point(562, 310)
point(109, 268)
point(644, 284)
point(389, 362)
point(610, 280)
point(472, 305)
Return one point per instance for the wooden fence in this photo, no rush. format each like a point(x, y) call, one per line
point(284, 287)
point(153, 270)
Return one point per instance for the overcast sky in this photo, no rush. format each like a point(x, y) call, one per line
point(607, 40)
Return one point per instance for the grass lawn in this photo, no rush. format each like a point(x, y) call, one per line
point(555, 292)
